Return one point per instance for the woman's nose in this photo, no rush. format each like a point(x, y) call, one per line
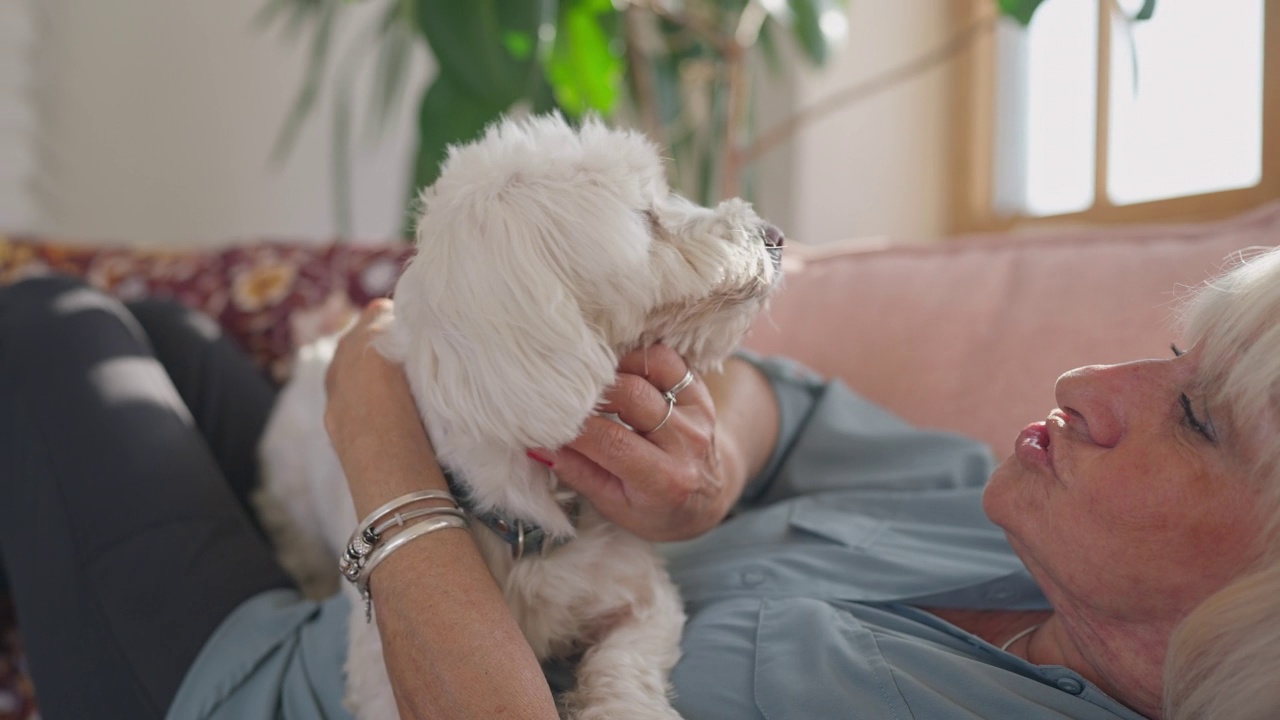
point(1093, 398)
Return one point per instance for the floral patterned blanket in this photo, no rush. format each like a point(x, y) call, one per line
point(269, 296)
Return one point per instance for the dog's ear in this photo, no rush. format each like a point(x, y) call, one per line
point(495, 345)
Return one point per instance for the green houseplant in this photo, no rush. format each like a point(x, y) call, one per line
point(678, 69)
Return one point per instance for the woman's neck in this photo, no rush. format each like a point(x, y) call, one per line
point(1126, 663)
point(994, 626)
point(1110, 659)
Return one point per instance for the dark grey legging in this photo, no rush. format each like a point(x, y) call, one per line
point(127, 447)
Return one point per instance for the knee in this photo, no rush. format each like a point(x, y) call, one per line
point(36, 298)
point(162, 318)
point(46, 303)
point(40, 291)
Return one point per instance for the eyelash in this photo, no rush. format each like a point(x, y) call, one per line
point(1196, 424)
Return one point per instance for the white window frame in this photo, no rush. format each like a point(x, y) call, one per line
point(973, 180)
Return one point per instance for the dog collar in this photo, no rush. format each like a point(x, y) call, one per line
point(523, 537)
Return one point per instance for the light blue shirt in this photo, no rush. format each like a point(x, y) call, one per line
point(802, 605)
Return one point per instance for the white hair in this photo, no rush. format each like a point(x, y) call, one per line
point(1224, 658)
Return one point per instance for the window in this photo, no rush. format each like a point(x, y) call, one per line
point(1085, 116)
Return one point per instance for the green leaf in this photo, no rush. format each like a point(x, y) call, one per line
point(769, 48)
point(817, 39)
point(1020, 10)
point(544, 100)
point(305, 102)
point(476, 43)
point(394, 55)
point(1146, 11)
point(583, 68)
point(448, 115)
point(518, 44)
point(297, 14)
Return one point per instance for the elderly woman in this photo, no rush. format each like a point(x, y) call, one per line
point(1121, 563)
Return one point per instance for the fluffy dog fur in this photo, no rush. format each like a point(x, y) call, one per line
point(543, 254)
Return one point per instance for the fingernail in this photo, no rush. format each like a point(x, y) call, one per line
point(535, 456)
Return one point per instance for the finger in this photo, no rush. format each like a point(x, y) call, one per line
point(617, 450)
point(376, 315)
point(377, 307)
point(600, 487)
point(666, 370)
point(636, 402)
point(659, 364)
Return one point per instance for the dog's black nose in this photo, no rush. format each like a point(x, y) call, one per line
point(773, 237)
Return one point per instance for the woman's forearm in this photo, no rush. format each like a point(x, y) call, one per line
point(451, 646)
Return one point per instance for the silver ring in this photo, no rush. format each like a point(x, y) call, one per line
point(670, 395)
point(671, 405)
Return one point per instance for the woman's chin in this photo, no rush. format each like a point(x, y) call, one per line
point(1004, 498)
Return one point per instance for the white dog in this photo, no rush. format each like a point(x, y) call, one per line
point(543, 254)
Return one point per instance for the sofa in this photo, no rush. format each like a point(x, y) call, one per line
point(966, 335)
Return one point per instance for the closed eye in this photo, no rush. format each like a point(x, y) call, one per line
point(1204, 428)
point(1189, 413)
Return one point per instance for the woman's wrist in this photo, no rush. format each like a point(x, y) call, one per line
point(383, 447)
point(381, 467)
point(746, 422)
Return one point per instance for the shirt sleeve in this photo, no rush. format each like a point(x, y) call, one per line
point(832, 438)
point(797, 390)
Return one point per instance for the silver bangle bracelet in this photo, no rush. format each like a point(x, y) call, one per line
point(372, 518)
point(402, 538)
point(365, 538)
point(399, 519)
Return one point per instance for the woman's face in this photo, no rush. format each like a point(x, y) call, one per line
point(1128, 498)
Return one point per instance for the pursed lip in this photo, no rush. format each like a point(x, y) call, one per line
point(1032, 445)
point(1037, 443)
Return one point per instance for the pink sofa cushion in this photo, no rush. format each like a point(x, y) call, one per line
point(970, 335)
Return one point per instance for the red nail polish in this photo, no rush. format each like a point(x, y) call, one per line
point(535, 456)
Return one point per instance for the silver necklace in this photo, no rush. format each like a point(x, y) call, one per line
point(1019, 636)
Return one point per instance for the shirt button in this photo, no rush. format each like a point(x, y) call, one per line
point(752, 578)
point(1070, 685)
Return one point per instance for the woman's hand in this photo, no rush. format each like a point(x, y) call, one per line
point(361, 385)
point(670, 483)
point(371, 416)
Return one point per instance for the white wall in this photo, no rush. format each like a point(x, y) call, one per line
point(158, 119)
point(879, 167)
point(19, 135)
